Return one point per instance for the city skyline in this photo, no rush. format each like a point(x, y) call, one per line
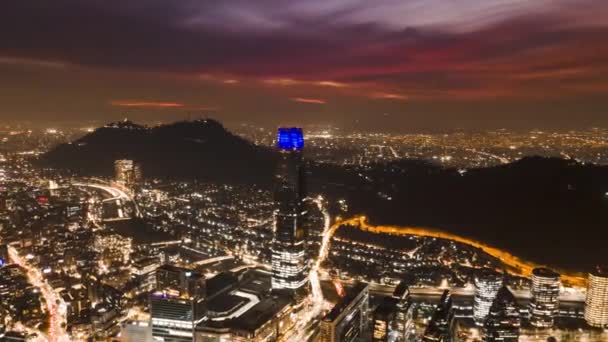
point(131, 256)
point(393, 65)
point(304, 171)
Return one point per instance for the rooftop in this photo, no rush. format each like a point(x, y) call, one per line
point(351, 294)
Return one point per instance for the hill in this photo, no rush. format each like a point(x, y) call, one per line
point(201, 149)
point(548, 210)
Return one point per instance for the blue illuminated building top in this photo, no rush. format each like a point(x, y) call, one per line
point(290, 138)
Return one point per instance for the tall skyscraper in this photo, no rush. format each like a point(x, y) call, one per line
point(348, 319)
point(178, 305)
point(544, 304)
point(487, 284)
point(405, 312)
point(503, 321)
point(289, 264)
point(127, 172)
point(384, 319)
point(440, 327)
point(596, 304)
point(174, 318)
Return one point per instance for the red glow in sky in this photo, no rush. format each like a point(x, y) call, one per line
point(146, 104)
point(307, 100)
point(496, 61)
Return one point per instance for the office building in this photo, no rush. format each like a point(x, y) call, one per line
point(544, 304)
point(347, 320)
point(135, 331)
point(503, 320)
point(487, 284)
point(384, 319)
point(404, 319)
point(178, 304)
point(596, 303)
point(127, 173)
point(241, 308)
point(289, 263)
point(177, 281)
point(440, 326)
point(174, 319)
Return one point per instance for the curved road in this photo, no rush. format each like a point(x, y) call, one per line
point(518, 266)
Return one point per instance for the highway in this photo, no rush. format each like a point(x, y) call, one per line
point(115, 192)
point(54, 303)
point(117, 195)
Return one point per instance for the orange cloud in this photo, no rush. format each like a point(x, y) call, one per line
point(286, 82)
point(146, 104)
point(307, 100)
point(389, 96)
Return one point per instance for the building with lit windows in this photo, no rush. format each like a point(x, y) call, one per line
point(113, 248)
point(347, 320)
point(596, 303)
point(127, 173)
point(178, 305)
point(174, 318)
point(503, 321)
point(384, 318)
point(393, 317)
point(487, 284)
point(544, 304)
point(289, 263)
point(135, 331)
point(241, 308)
point(440, 327)
point(404, 320)
point(179, 281)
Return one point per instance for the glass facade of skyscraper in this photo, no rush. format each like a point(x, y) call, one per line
point(596, 304)
point(289, 264)
point(487, 284)
point(544, 304)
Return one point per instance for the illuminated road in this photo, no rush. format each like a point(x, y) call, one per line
point(516, 265)
point(117, 194)
point(323, 250)
point(486, 154)
point(54, 303)
point(308, 317)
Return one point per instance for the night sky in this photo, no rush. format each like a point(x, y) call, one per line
point(384, 64)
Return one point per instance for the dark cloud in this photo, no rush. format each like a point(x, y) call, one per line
point(335, 50)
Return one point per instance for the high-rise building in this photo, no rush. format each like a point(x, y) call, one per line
point(127, 172)
point(596, 304)
point(177, 281)
point(503, 320)
point(544, 304)
point(440, 327)
point(174, 318)
point(487, 284)
point(404, 320)
point(347, 320)
point(384, 318)
point(178, 305)
point(289, 264)
point(135, 331)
